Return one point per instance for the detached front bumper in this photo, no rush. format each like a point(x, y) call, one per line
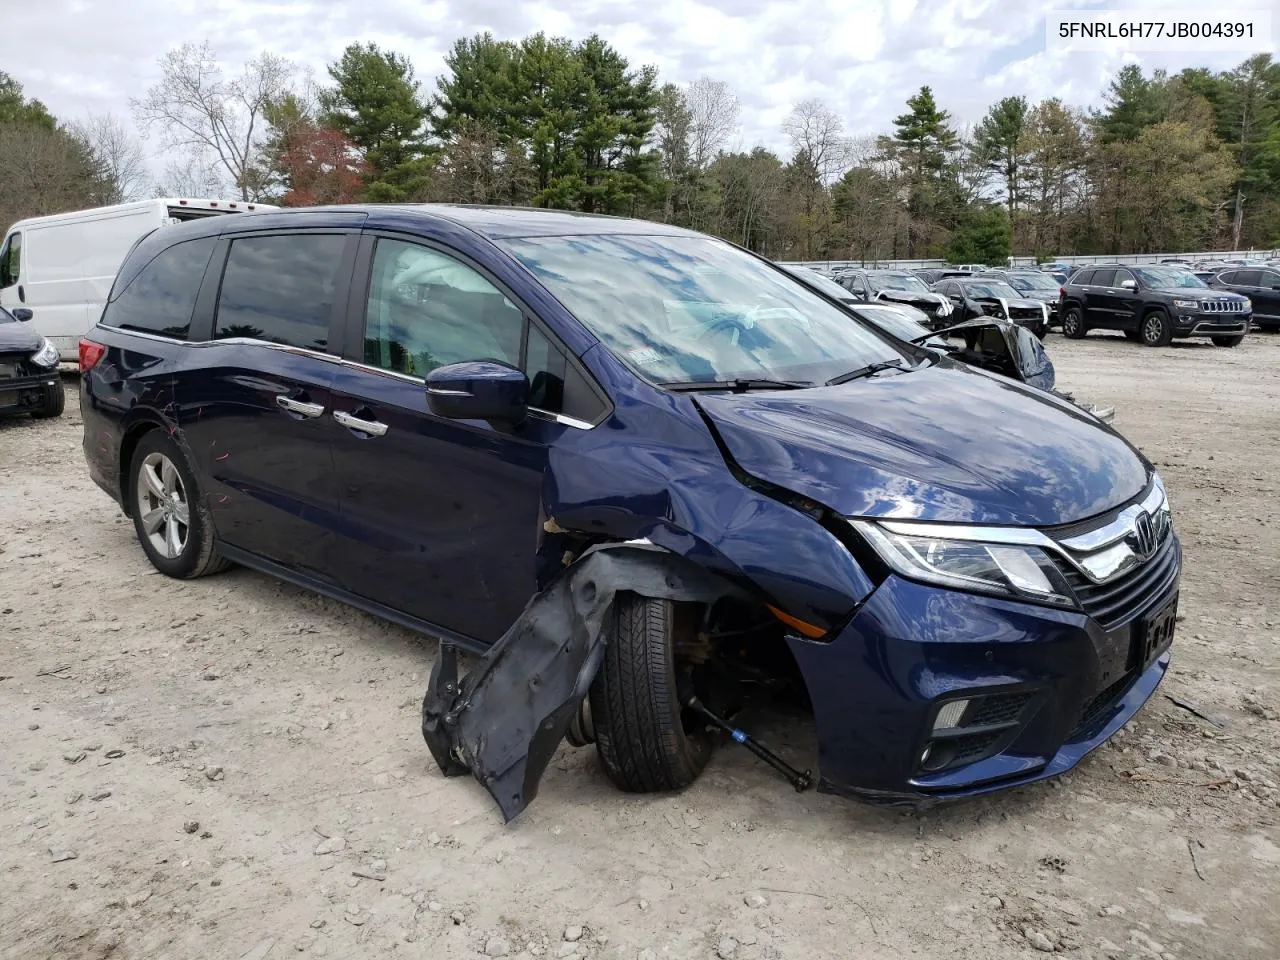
point(1045, 688)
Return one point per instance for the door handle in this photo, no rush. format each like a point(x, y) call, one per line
point(371, 427)
point(285, 402)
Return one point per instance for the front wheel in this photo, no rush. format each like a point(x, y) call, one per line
point(1073, 324)
point(1227, 341)
point(169, 514)
point(1156, 329)
point(53, 401)
point(645, 739)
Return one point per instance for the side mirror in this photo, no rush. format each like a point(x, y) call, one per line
point(478, 390)
point(22, 313)
point(1128, 284)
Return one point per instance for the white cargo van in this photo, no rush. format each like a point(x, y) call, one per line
point(61, 267)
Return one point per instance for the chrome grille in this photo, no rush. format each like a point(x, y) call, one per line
point(1223, 306)
point(1131, 594)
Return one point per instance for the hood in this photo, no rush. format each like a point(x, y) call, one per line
point(1022, 303)
point(1040, 296)
point(18, 338)
point(1199, 293)
point(915, 298)
point(946, 443)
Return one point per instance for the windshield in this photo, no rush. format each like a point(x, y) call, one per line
point(899, 322)
point(990, 288)
point(6, 316)
point(1030, 282)
point(680, 309)
point(823, 284)
point(885, 280)
point(1167, 277)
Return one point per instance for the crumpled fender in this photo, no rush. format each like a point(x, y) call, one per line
point(505, 719)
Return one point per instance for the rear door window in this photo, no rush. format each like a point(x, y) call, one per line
point(1102, 278)
point(280, 289)
point(162, 295)
point(1248, 278)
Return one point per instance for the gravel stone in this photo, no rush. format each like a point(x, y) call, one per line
point(331, 845)
point(573, 933)
point(496, 947)
point(727, 948)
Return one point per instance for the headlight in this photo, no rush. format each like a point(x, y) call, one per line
point(47, 355)
point(1187, 304)
point(957, 557)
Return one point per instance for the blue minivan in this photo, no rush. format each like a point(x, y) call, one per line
point(647, 476)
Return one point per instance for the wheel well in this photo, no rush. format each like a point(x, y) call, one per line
point(1154, 308)
point(130, 442)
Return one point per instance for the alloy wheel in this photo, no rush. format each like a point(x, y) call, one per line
point(162, 506)
point(1152, 328)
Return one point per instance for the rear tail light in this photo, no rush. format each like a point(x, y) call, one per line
point(1062, 291)
point(90, 354)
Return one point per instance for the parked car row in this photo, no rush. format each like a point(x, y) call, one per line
point(652, 471)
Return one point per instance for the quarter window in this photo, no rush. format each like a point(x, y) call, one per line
point(426, 310)
point(162, 295)
point(280, 289)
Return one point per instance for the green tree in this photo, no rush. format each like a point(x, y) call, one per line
point(376, 105)
point(923, 147)
point(1132, 103)
point(1054, 184)
point(1000, 146)
point(15, 108)
point(578, 112)
point(983, 236)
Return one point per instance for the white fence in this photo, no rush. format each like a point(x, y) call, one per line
point(833, 266)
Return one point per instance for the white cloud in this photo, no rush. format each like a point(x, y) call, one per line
point(864, 59)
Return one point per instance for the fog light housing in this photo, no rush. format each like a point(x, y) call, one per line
point(950, 715)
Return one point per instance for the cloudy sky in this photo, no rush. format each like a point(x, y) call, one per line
point(861, 56)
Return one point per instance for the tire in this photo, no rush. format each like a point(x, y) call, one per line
point(1133, 336)
point(1156, 329)
point(1073, 327)
point(180, 550)
point(52, 403)
point(641, 738)
point(1227, 341)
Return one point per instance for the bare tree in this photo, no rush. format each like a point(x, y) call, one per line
point(713, 110)
point(118, 153)
point(818, 132)
point(45, 171)
point(199, 111)
point(196, 174)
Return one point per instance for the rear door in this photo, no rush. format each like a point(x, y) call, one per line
point(260, 392)
point(1097, 296)
point(1266, 297)
point(441, 518)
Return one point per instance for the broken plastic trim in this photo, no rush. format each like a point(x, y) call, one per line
point(505, 719)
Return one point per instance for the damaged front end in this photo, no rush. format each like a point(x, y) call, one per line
point(505, 719)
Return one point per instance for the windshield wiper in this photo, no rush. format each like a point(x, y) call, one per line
point(866, 371)
point(737, 385)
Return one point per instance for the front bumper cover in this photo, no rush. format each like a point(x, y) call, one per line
point(875, 687)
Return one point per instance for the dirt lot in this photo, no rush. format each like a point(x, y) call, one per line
point(233, 768)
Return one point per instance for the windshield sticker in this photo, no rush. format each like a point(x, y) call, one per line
point(645, 356)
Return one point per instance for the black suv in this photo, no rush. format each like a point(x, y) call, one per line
point(1151, 304)
point(1261, 284)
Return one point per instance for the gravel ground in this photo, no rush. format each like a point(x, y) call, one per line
point(232, 767)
